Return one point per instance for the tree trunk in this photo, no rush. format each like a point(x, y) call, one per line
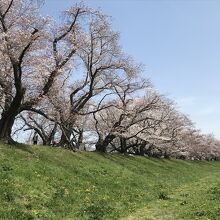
point(8, 117)
point(142, 151)
point(50, 139)
point(148, 151)
point(143, 148)
point(80, 141)
point(102, 145)
point(6, 124)
point(123, 144)
point(63, 140)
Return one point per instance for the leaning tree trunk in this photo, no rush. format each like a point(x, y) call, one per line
point(8, 117)
point(6, 124)
point(102, 145)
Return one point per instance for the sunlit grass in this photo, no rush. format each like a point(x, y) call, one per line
point(44, 183)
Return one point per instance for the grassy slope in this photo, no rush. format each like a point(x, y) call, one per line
point(45, 183)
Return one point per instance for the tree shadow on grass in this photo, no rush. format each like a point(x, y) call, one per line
point(22, 147)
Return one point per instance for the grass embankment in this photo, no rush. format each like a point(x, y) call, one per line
point(45, 183)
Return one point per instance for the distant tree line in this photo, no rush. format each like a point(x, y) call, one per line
point(71, 83)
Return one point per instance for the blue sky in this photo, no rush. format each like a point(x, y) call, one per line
point(179, 43)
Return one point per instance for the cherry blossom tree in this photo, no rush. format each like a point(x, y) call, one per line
point(34, 53)
point(71, 79)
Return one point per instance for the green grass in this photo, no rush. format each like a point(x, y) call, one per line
point(44, 183)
